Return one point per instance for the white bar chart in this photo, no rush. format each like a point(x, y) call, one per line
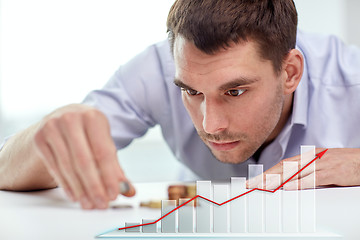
point(149, 226)
point(255, 201)
point(290, 201)
point(133, 229)
point(267, 207)
point(238, 206)
point(221, 223)
point(168, 223)
point(273, 205)
point(186, 216)
point(203, 208)
point(307, 197)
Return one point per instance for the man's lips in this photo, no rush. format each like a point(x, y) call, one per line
point(223, 146)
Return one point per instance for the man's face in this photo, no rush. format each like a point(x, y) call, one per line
point(234, 97)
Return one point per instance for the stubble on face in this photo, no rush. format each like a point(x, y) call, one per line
point(248, 145)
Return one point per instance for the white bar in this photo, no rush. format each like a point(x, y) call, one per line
point(308, 197)
point(203, 207)
point(134, 229)
point(186, 216)
point(238, 206)
point(255, 201)
point(168, 224)
point(290, 211)
point(151, 228)
point(273, 205)
point(221, 222)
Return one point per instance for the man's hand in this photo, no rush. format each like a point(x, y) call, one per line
point(338, 166)
point(75, 145)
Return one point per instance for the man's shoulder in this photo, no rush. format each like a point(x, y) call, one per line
point(328, 60)
point(327, 96)
point(155, 59)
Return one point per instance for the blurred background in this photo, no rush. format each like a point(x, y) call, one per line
point(53, 52)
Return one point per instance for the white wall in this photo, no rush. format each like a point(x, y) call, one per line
point(338, 17)
point(53, 52)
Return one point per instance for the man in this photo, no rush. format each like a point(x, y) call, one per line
point(243, 94)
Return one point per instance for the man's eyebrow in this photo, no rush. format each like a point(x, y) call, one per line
point(237, 83)
point(226, 86)
point(180, 84)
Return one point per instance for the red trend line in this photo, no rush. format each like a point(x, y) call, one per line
point(319, 155)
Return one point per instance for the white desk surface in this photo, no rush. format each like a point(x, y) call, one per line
point(49, 215)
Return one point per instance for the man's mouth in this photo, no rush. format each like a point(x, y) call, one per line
point(223, 146)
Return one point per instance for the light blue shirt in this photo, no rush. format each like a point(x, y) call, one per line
point(326, 107)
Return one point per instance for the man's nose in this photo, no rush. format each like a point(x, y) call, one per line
point(214, 116)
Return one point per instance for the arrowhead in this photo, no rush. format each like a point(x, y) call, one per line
point(320, 154)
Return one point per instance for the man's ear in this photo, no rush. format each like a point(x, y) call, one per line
point(293, 70)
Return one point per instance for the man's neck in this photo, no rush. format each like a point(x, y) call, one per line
point(286, 113)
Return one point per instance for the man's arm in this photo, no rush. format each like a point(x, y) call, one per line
point(71, 147)
point(21, 169)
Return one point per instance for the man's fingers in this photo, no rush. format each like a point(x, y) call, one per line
point(46, 154)
point(76, 146)
point(67, 174)
point(260, 180)
point(83, 161)
point(104, 152)
point(322, 178)
point(293, 174)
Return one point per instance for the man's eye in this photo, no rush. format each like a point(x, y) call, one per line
point(235, 92)
point(192, 92)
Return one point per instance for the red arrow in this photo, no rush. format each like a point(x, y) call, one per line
point(319, 155)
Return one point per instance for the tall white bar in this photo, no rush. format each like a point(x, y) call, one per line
point(238, 206)
point(168, 224)
point(273, 205)
point(221, 220)
point(308, 197)
point(255, 202)
point(203, 207)
point(290, 211)
point(186, 216)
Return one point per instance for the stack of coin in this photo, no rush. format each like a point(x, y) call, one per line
point(191, 191)
point(151, 204)
point(175, 192)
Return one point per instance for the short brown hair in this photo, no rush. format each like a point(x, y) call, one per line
point(214, 24)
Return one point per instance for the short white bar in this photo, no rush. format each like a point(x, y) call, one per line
point(186, 216)
point(308, 197)
point(221, 220)
point(168, 224)
point(273, 205)
point(290, 211)
point(134, 229)
point(238, 206)
point(203, 207)
point(255, 201)
point(151, 228)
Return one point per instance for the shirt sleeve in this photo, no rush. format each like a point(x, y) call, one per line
point(129, 97)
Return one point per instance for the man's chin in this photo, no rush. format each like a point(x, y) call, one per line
point(229, 157)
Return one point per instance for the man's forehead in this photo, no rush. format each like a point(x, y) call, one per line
point(189, 59)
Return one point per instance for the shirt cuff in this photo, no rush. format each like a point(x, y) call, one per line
point(4, 141)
